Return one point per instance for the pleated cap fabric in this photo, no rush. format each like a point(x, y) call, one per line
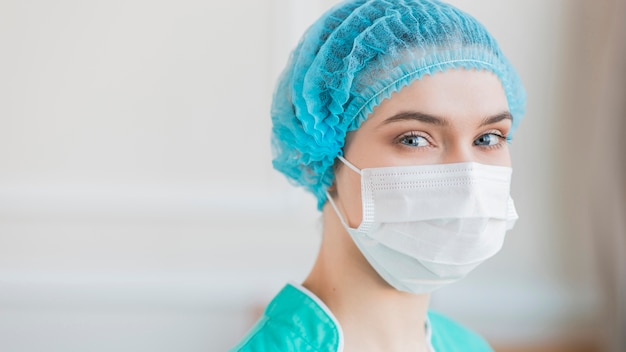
point(355, 56)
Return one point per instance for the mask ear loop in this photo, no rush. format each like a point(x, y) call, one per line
point(349, 164)
point(330, 199)
point(332, 203)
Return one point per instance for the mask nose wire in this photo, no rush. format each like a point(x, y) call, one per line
point(349, 164)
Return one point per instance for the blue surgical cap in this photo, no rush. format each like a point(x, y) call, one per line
point(355, 56)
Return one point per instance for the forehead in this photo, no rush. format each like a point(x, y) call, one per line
point(454, 94)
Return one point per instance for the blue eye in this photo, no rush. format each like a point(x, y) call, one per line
point(414, 140)
point(488, 139)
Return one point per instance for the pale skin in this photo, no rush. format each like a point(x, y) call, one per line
point(449, 117)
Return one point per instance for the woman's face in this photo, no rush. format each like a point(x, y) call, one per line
point(450, 117)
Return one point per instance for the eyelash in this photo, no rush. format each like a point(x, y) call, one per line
point(413, 134)
point(503, 139)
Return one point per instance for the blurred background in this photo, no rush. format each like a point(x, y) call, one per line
point(139, 210)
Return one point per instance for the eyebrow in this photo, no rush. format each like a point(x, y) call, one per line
point(505, 115)
point(418, 116)
point(440, 121)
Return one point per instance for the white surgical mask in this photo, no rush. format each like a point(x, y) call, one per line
point(427, 226)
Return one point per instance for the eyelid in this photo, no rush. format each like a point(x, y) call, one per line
point(496, 132)
point(502, 140)
point(415, 133)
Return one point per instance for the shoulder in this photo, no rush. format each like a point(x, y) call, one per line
point(449, 336)
point(295, 320)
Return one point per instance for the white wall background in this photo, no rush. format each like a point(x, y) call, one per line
point(138, 207)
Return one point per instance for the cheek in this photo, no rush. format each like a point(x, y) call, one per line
point(506, 161)
point(348, 196)
point(500, 157)
point(504, 157)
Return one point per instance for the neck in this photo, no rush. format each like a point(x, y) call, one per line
point(373, 315)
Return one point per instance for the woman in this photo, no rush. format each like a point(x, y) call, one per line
point(396, 115)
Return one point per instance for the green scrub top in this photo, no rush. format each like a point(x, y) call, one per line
point(296, 320)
